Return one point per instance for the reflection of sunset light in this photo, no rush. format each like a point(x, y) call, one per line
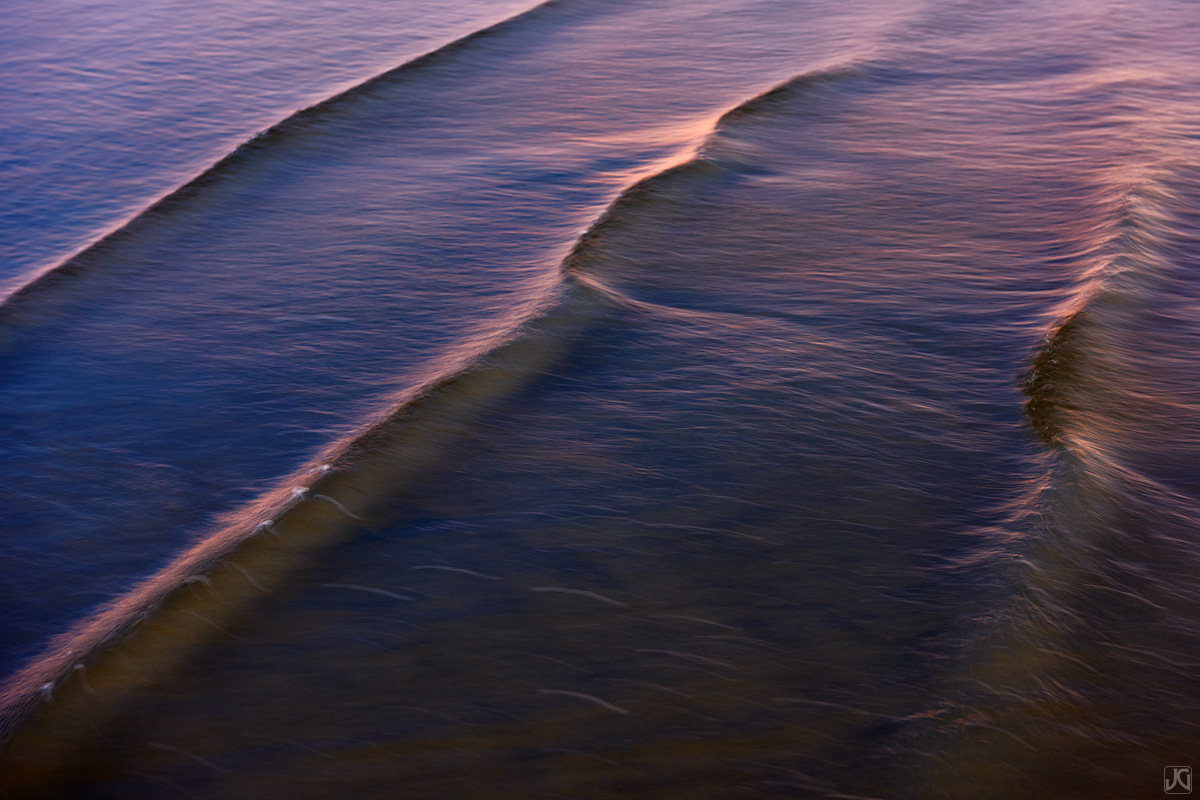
point(718, 397)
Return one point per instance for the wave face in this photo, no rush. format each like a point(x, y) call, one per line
point(680, 399)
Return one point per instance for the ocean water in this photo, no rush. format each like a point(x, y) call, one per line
point(599, 399)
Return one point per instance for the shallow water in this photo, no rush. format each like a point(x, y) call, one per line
point(639, 399)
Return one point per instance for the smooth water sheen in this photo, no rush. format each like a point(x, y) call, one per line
point(705, 399)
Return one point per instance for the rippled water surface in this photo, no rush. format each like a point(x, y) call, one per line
point(723, 398)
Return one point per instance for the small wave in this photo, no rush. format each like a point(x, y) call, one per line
point(1074, 358)
point(715, 159)
point(92, 669)
point(48, 290)
point(95, 669)
point(1085, 661)
point(822, 77)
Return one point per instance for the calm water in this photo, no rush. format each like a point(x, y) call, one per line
point(653, 398)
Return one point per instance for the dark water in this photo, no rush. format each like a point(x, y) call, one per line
point(634, 399)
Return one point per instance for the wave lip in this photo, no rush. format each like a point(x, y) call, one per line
point(1076, 362)
point(719, 156)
